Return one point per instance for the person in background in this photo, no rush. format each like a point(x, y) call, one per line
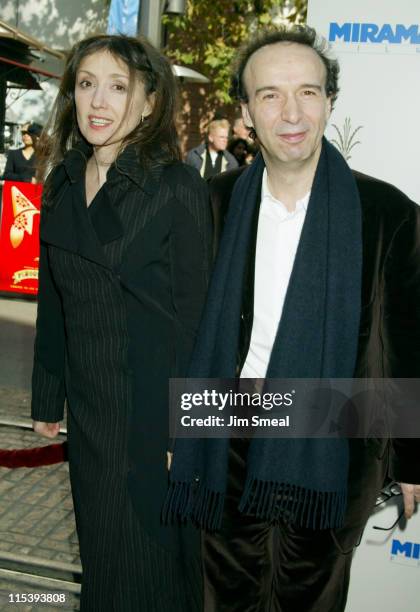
point(239, 129)
point(239, 149)
point(21, 163)
point(212, 157)
point(125, 256)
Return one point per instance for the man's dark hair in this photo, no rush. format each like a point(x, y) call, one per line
point(303, 35)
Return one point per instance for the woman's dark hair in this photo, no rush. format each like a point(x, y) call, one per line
point(232, 146)
point(236, 141)
point(155, 138)
point(303, 35)
point(34, 130)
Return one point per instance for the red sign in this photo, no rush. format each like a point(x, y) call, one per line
point(19, 237)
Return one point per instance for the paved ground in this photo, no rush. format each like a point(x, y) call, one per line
point(37, 529)
point(17, 319)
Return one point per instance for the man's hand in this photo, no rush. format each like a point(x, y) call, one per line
point(411, 494)
point(49, 430)
point(168, 460)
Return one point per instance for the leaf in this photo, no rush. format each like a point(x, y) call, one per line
point(209, 34)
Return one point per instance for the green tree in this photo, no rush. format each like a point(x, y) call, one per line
point(208, 35)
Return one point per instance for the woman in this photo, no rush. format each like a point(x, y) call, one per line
point(239, 149)
point(21, 163)
point(125, 248)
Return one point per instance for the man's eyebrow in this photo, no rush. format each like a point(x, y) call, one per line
point(311, 86)
point(275, 88)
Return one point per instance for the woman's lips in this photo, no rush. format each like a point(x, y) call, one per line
point(99, 123)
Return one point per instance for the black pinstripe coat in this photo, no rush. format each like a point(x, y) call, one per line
point(121, 289)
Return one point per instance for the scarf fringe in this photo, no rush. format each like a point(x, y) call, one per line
point(186, 500)
point(294, 504)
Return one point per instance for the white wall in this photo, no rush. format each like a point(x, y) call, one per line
point(59, 23)
point(380, 89)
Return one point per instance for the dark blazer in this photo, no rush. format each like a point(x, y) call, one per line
point(18, 168)
point(121, 289)
point(195, 158)
point(389, 335)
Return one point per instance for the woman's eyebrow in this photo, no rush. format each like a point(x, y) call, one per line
point(113, 75)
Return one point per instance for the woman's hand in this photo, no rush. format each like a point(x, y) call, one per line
point(49, 430)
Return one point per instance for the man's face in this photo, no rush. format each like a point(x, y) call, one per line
point(218, 138)
point(287, 103)
point(240, 130)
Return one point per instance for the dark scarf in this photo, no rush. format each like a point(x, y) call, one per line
point(303, 481)
point(209, 169)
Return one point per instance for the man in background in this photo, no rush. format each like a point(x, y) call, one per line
point(211, 157)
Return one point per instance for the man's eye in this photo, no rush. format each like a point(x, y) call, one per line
point(309, 92)
point(269, 96)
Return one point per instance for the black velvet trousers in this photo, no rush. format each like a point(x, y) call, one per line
point(253, 566)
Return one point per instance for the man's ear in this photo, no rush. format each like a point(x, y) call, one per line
point(328, 109)
point(246, 116)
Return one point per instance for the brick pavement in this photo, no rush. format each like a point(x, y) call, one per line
point(36, 512)
point(15, 404)
point(36, 515)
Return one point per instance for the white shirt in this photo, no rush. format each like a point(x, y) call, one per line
point(277, 241)
point(213, 156)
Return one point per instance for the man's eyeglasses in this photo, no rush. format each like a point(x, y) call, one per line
point(393, 489)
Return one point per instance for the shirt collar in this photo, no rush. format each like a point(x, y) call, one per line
point(266, 194)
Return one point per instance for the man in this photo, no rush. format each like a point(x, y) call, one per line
point(317, 277)
point(239, 129)
point(211, 157)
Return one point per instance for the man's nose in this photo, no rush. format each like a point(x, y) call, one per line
point(291, 111)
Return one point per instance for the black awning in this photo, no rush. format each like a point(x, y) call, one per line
point(15, 64)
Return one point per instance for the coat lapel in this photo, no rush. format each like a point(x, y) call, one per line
point(66, 221)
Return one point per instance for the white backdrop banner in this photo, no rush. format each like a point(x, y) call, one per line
point(376, 125)
point(376, 121)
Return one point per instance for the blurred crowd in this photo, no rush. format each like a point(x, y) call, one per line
point(224, 147)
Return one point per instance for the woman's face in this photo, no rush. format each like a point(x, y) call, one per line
point(26, 138)
point(240, 150)
point(101, 94)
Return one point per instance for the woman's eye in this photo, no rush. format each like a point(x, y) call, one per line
point(84, 83)
point(119, 87)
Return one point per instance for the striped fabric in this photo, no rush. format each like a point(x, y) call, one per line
point(146, 243)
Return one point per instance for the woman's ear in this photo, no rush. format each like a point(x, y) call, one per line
point(149, 104)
